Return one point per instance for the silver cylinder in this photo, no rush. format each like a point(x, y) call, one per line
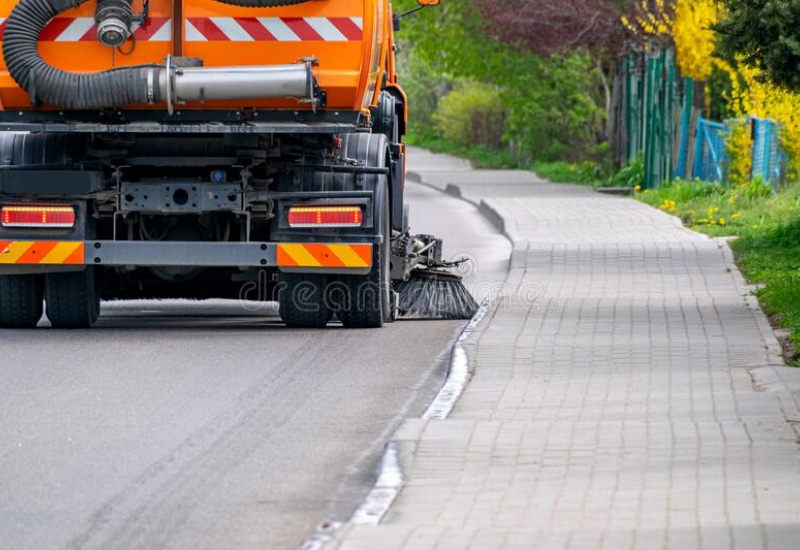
point(181, 84)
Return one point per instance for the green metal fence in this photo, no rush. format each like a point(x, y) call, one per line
point(650, 93)
point(658, 116)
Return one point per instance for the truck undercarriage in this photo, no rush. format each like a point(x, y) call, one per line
point(198, 216)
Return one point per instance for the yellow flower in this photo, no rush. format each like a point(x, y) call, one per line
point(637, 188)
point(722, 221)
point(646, 191)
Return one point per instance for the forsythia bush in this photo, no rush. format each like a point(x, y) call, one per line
point(687, 23)
point(740, 149)
point(651, 20)
point(694, 39)
point(766, 100)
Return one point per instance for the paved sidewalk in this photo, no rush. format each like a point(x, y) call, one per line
point(626, 393)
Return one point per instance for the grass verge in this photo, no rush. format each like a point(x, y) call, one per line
point(767, 249)
point(587, 173)
point(481, 156)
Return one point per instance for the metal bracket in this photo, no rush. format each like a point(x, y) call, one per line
point(181, 197)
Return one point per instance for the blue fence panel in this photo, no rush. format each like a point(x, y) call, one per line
point(686, 122)
point(767, 154)
point(711, 154)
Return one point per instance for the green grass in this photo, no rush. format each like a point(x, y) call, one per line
point(768, 227)
point(587, 173)
point(481, 156)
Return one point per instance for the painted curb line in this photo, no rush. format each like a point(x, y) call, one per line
point(390, 477)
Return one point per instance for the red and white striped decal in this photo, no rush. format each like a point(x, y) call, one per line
point(224, 29)
point(83, 29)
point(279, 29)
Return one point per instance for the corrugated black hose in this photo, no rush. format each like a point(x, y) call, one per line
point(123, 86)
point(105, 89)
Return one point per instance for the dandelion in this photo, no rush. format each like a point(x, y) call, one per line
point(637, 188)
point(722, 221)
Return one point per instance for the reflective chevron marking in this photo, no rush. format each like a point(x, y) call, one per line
point(83, 29)
point(216, 29)
point(274, 29)
point(325, 255)
point(41, 253)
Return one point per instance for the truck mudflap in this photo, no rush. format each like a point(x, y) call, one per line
point(350, 258)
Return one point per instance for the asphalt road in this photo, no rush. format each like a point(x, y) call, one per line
point(196, 426)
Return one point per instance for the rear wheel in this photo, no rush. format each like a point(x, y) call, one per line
point(73, 299)
point(303, 302)
point(366, 301)
point(21, 301)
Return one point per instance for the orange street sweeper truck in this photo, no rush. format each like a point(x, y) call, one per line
point(196, 148)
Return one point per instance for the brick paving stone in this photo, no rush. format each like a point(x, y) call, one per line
point(624, 393)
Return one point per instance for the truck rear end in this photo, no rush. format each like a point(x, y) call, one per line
point(202, 148)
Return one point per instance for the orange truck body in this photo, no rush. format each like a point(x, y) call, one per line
point(193, 148)
point(351, 39)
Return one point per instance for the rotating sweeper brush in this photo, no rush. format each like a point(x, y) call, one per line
point(429, 289)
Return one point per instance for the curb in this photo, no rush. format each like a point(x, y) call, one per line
point(484, 206)
point(771, 343)
point(400, 450)
point(491, 211)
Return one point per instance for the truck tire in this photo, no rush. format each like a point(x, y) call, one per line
point(73, 299)
point(303, 301)
point(361, 301)
point(366, 301)
point(384, 118)
point(21, 301)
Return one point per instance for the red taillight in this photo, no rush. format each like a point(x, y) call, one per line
point(325, 216)
point(37, 216)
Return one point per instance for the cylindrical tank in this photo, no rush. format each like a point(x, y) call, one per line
point(344, 37)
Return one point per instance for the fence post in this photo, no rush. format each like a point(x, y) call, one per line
point(686, 121)
point(698, 151)
point(669, 120)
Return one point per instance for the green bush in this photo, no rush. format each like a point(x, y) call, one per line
point(553, 107)
point(756, 188)
point(471, 114)
point(630, 175)
point(424, 87)
point(559, 171)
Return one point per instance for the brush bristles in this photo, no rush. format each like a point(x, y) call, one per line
point(435, 298)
